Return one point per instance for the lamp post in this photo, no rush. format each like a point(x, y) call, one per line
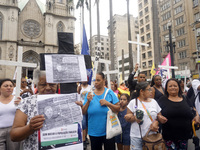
point(169, 25)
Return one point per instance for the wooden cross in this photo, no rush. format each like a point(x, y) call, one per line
point(19, 65)
point(167, 67)
point(138, 47)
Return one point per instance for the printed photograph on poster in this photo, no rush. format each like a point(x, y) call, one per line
point(59, 110)
point(62, 125)
point(63, 68)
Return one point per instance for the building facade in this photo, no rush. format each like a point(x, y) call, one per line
point(34, 26)
point(105, 48)
point(149, 34)
point(179, 13)
point(120, 38)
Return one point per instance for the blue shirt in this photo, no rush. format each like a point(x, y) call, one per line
point(97, 114)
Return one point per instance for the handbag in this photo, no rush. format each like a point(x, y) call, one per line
point(113, 126)
point(153, 141)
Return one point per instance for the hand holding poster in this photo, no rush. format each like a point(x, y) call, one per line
point(59, 128)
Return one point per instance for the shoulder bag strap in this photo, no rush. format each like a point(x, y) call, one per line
point(136, 104)
point(106, 93)
point(148, 113)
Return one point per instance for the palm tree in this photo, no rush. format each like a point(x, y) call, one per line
point(112, 58)
point(80, 4)
point(129, 38)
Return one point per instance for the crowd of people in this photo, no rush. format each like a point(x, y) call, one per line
point(168, 110)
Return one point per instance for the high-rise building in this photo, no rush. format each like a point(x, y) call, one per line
point(149, 34)
point(120, 38)
point(105, 47)
point(196, 28)
point(179, 13)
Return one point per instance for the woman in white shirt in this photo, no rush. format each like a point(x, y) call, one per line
point(7, 114)
point(146, 104)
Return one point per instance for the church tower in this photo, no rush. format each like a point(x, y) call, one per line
point(8, 34)
point(59, 17)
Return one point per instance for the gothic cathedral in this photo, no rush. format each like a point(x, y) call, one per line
point(34, 26)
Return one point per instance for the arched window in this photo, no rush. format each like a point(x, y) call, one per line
point(60, 27)
point(1, 26)
point(60, 1)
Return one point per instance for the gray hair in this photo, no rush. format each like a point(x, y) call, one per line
point(37, 73)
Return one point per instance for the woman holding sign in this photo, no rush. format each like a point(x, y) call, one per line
point(27, 122)
point(7, 114)
point(97, 107)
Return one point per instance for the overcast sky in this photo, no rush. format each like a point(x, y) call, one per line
point(119, 7)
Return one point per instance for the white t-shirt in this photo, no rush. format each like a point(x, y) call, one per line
point(83, 92)
point(195, 84)
point(152, 107)
point(7, 114)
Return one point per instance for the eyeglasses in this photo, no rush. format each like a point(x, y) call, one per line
point(24, 82)
point(149, 89)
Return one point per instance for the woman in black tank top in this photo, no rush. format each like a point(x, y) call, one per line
point(156, 86)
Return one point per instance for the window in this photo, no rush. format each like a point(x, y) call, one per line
point(145, 1)
point(60, 27)
point(180, 31)
point(149, 54)
point(176, 1)
point(166, 16)
point(102, 43)
point(140, 6)
point(149, 44)
point(195, 3)
point(141, 13)
point(150, 63)
point(141, 22)
point(182, 55)
point(142, 30)
point(181, 43)
point(165, 6)
point(147, 18)
point(107, 49)
point(147, 27)
point(148, 36)
point(143, 56)
point(142, 38)
point(143, 47)
point(178, 9)
point(197, 16)
point(146, 9)
point(102, 48)
point(165, 27)
point(60, 1)
point(1, 26)
point(179, 20)
point(144, 65)
point(182, 65)
point(101, 39)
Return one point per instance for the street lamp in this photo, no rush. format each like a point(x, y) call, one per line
point(172, 45)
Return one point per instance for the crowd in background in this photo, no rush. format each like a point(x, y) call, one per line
point(169, 110)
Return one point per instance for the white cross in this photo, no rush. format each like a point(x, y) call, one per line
point(107, 72)
point(167, 67)
point(138, 47)
point(19, 65)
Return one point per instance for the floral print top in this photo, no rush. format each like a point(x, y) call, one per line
point(29, 107)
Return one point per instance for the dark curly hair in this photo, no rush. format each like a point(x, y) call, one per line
point(179, 92)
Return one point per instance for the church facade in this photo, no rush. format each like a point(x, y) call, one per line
point(34, 26)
